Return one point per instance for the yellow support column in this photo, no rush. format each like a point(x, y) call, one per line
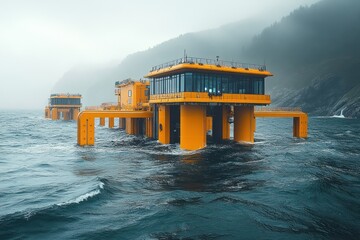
point(244, 124)
point(86, 131)
point(54, 114)
point(225, 122)
point(129, 126)
point(122, 123)
point(47, 112)
point(164, 124)
point(136, 125)
point(75, 114)
point(111, 122)
point(102, 122)
point(66, 115)
point(148, 122)
point(192, 127)
point(300, 126)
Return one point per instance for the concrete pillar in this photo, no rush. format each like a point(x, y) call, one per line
point(244, 124)
point(192, 127)
point(164, 124)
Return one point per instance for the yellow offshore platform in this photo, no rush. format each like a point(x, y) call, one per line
point(63, 106)
point(185, 98)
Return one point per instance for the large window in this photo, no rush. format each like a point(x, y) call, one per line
point(65, 101)
point(214, 84)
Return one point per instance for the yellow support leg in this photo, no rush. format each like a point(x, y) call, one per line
point(86, 131)
point(102, 122)
point(75, 114)
point(164, 124)
point(54, 114)
point(192, 127)
point(244, 124)
point(66, 115)
point(300, 126)
point(47, 113)
point(148, 122)
point(111, 122)
point(122, 123)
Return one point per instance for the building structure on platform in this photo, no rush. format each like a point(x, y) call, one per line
point(185, 98)
point(63, 106)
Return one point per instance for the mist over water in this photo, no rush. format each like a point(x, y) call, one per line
point(128, 187)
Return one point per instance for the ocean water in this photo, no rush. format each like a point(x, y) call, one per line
point(128, 187)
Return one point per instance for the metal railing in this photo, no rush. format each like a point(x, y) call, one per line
point(65, 94)
point(278, 109)
point(202, 61)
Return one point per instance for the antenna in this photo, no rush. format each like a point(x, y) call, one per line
point(185, 55)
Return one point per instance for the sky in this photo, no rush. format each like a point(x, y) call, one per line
point(40, 40)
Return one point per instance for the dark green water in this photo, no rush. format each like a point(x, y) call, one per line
point(128, 187)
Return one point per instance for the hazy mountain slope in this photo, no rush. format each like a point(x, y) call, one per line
point(314, 54)
point(97, 83)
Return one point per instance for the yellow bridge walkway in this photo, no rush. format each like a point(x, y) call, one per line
point(86, 122)
point(300, 119)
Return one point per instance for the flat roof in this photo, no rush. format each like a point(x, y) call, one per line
point(65, 95)
point(203, 64)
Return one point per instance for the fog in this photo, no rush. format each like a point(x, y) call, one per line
point(42, 39)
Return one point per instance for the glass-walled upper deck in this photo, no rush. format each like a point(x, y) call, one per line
point(213, 83)
point(65, 101)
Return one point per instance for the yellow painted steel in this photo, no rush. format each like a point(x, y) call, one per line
point(202, 97)
point(192, 127)
point(47, 112)
point(148, 129)
point(67, 111)
point(122, 123)
point(54, 114)
point(205, 67)
point(300, 120)
point(66, 115)
point(75, 113)
point(129, 129)
point(244, 124)
point(132, 95)
point(111, 122)
point(86, 128)
point(164, 124)
point(102, 122)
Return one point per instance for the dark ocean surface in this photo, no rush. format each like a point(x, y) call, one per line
point(128, 187)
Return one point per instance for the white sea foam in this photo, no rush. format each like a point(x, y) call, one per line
point(83, 197)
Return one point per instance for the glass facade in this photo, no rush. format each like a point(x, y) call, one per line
point(212, 83)
point(65, 101)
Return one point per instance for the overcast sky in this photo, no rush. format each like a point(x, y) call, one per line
point(42, 39)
